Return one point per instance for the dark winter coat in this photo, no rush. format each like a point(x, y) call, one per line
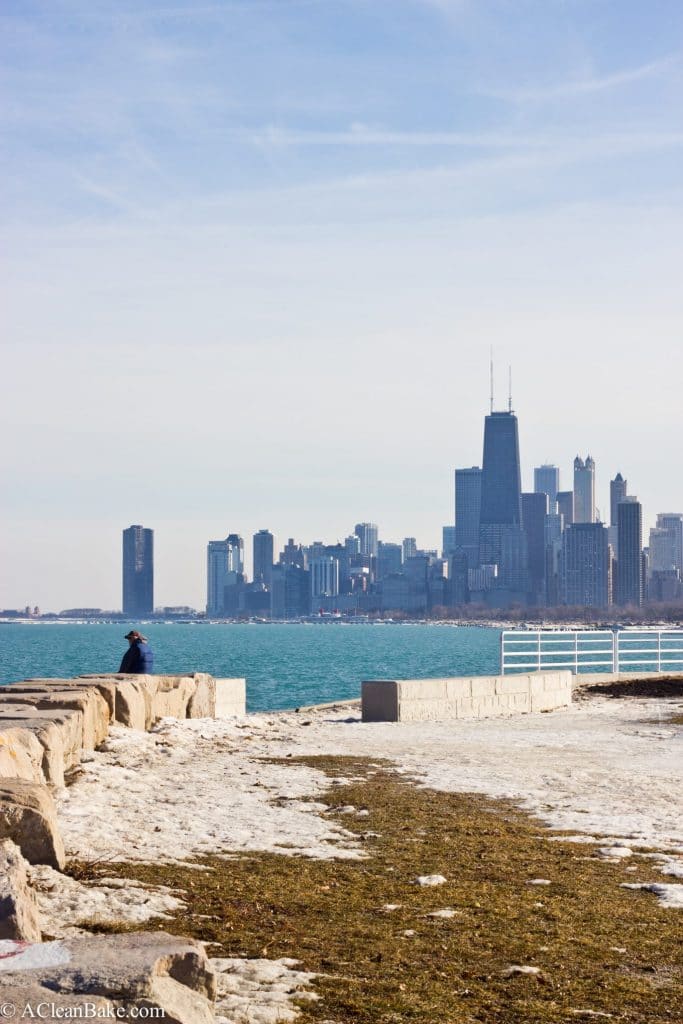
point(138, 659)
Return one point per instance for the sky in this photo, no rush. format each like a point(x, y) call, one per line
point(257, 252)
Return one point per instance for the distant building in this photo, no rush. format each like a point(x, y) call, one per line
point(138, 571)
point(547, 481)
point(534, 512)
point(448, 542)
point(409, 546)
point(585, 566)
point(672, 523)
point(502, 541)
point(293, 554)
point(553, 530)
point(389, 559)
point(367, 535)
point(263, 549)
point(584, 490)
point(467, 512)
point(629, 581)
point(224, 569)
point(618, 489)
point(565, 506)
point(290, 592)
point(324, 577)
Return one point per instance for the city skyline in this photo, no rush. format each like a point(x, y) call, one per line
point(254, 280)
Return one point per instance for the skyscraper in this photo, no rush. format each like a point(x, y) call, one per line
point(672, 522)
point(501, 535)
point(224, 568)
point(565, 506)
point(585, 566)
point(629, 583)
point(409, 546)
point(467, 512)
point(618, 489)
point(263, 548)
point(584, 490)
point(534, 513)
point(367, 534)
point(324, 577)
point(138, 571)
point(547, 481)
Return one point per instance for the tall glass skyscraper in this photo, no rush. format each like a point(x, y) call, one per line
point(584, 490)
point(263, 548)
point(629, 583)
point(501, 535)
point(138, 571)
point(467, 511)
point(547, 481)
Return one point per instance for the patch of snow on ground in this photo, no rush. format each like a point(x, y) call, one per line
point(259, 991)
point(430, 880)
point(197, 787)
point(669, 895)
point(66, 903)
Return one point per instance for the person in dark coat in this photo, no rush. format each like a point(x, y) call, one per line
point(139, 658)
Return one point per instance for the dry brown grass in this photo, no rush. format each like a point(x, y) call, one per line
point(329, 915)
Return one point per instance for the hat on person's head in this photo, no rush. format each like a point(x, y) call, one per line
point(134, 635)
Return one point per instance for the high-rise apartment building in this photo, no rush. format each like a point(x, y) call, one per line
point(565, 506)
point(263, 549)
point(224, 568)
point(389, 559)
point(324, 576)
point(138, 571)
point(502, 541)
point(672, 523)
point(547, 481)
point(534, 514)
point(409, 546)
point(629, 582)
point(367, 534)
point(618, 489)
point(448, 541)
point(467, 512)
point(585, 566)
point(584, 490)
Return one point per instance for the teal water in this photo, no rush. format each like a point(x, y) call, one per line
point(285, 665)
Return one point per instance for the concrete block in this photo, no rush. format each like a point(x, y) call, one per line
point(379, 700)
point(512, 684)
point(21, 753)
point(426, 710)
point(19, 915)
point(422, 689)
point(202, 703)
point(28, 817)
point(468, 707)
point(132, 709)
point(483, 686)
point(457, 688)
point(231, 698)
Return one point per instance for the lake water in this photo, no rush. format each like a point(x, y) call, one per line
point(285, 665)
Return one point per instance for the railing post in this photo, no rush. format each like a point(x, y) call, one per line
point(502, 652)
point(615, 652)
point(538, 651)
point(576, 653)
point(659, 650)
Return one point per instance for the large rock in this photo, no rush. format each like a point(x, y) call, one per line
point(202, 703)
point(142, 969)
point(28, 817)
point(59, 734)
point(21, 753)
point(173, 694)
point(19, 915)
point(89, 702)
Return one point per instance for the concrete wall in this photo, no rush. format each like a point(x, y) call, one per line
point(231, 697)
point(435, 700)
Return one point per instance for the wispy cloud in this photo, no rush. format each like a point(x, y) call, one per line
point(587, 85)
point(364, 135)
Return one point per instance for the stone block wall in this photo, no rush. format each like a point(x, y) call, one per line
point(45, 727)
point(435, 700)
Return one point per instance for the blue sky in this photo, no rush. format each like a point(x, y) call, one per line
point(256, 254)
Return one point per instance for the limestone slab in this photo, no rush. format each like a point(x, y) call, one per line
point(143, 969)
point(19, 915)
point(231, 697)
point(21, 753)
point(202, 703)
point(28, 817)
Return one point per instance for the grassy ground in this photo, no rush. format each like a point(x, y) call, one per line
point(600, 949)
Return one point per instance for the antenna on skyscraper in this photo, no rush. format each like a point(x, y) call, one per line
point(491, 378)
point(509, 389)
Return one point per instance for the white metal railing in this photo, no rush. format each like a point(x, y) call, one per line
point(591, 650)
